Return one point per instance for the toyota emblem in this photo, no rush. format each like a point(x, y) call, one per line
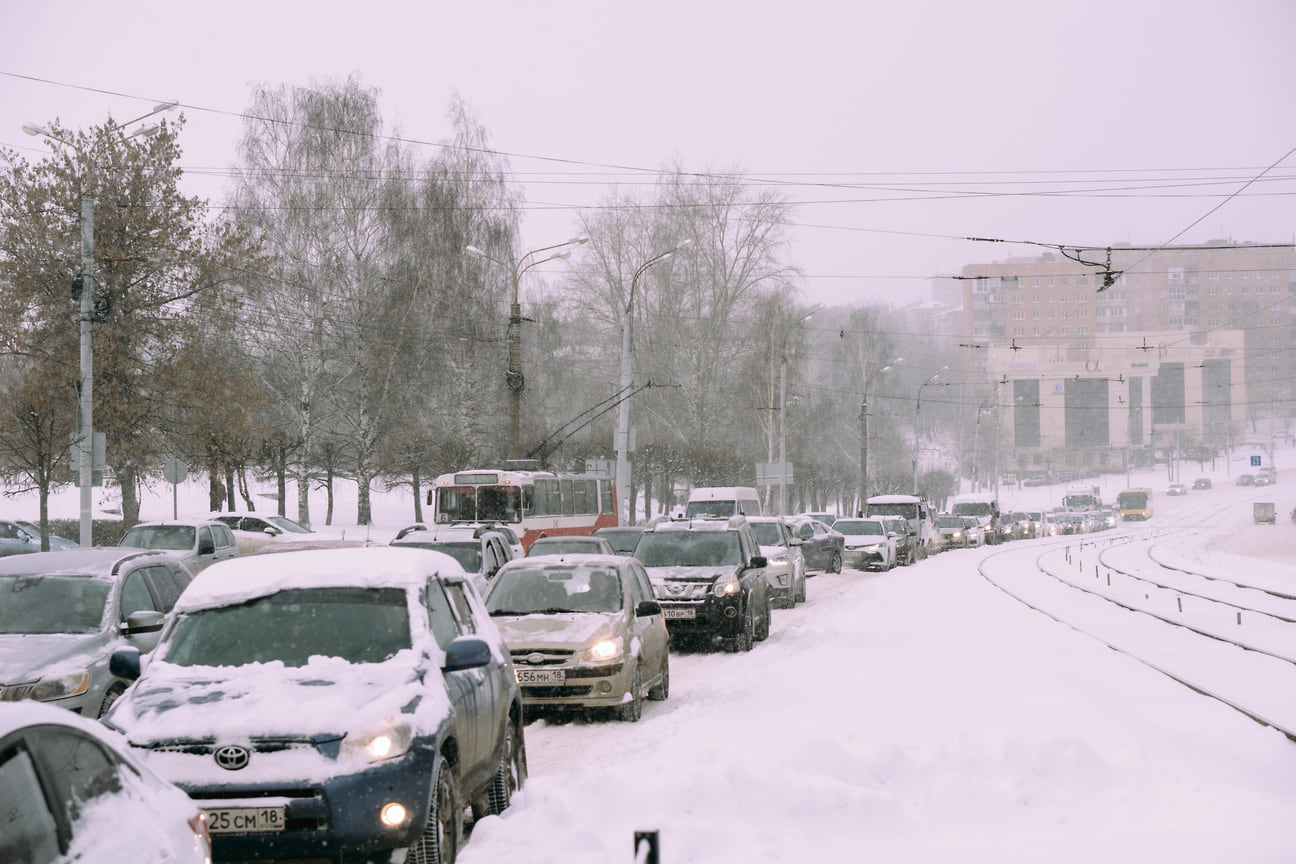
point(232, 757)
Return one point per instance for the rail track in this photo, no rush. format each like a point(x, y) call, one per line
point(1230, 636)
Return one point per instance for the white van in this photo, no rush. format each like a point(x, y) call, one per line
point(721, 502)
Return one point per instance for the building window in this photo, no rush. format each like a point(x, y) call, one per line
point(1019, 298)
point(1050, 314)
point(1048, 282)
point(1213, 290)
point(1063, 282)
point(1034, 331)
point(1212, 307)
point(1082, 313)
point(1035, 312)
point(1214, 322)
point(1065, 314)
point(1082, 297)
point(1019, 331)
point(1083, 331)
point(1019, 315)
point(1229, 275)
point(1212, 274)
point(1082, 280)
point(1062, 298)
point(1273, 289)
point(1034, 281)
point(1064, 331)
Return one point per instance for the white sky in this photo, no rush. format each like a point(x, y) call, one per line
point(928, 101)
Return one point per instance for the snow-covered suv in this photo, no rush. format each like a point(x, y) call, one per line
point(709, 577)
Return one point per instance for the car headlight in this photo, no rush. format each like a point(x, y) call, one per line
point(727, 587)
point(59, 687)
point(389, 739)
point(602, 652)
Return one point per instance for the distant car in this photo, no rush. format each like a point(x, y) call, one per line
point(1269, 472)
point(906, 544)
point(867, 542)
point(975, 534)
point(71, 790)
point(785, 570)
point(1176, 489)
point(1201, 483)
point(65, 613)
point(19, 538)
point(826, 518)
point(822, 546)
point(622, 537)
point(585, 631)
point(571, 545)
point(254, 530)
point(1245, 480)
point(951, 532)
point(343, 704)
point(480, 551)
point(196, 544)
point(1264, 478)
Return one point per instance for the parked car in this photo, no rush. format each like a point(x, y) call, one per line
point(826, 518)
point(254, 530)
point(510, 536)
point(906, 543)
point(196, 544)
point(1201, 483)
point(709, 576)
point(867, 543)
point(822, 546)
point(571, 545)
point(65, 613)
point(975, 534)
point(20, 538)
point(480, 551)
point(785, 570)
point(585, 631)
point(70, 790)
point(333, 704)
point(1176, 489)
point(622, 537)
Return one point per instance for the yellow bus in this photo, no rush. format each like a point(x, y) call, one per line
point(1135, 505)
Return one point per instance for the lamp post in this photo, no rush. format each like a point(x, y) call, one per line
point(85, 387)
point(513, 377)
point(863, 421)
point(917, 405)
point(622, 442)
point(783, 413)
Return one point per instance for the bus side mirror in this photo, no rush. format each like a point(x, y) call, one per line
point(429, 497)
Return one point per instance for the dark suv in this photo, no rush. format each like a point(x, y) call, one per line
point(709, 577)
point(335, 704)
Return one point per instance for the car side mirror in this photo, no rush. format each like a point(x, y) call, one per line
point(647, 608)
point(467, 652)
point(144, 621)
point(125, 663)
point(759, 561)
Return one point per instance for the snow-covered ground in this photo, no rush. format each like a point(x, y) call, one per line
point(912, 716)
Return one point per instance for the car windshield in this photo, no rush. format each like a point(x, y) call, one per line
point(467, 552)
point(688, 549)
point(553, 590)
point(360, 625)
point(566, 546)
point(623, 540)
point(859, 526)
point(767, 533)
point(972, 508)
point(159, 537)
point(950, 521)
point(709, 509)
point(52, 604)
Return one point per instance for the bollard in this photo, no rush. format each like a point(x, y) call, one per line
point(1108, 578)
point(646, 847)
point(1239, 616)
point(1179, 600)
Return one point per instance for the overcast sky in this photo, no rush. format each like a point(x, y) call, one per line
point(896, 128)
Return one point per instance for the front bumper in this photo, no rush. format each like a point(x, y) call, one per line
point(605, 685)
point(717, 616)
point(328, 819)
point(861, 558)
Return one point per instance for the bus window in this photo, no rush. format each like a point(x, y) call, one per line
point(456, 504)
point(605, 496)
point(566, 486)
point(498, 504)
point(579, 504)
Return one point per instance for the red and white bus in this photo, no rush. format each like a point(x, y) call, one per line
point(530, 502)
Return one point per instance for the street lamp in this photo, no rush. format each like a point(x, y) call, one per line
point(917, 405)
point(513, 377)
point(623, 409)
point(85, 416)
point(783, 412)
point(863, 420)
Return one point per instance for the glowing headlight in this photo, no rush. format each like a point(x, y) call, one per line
point(389, 740)
point(601, 652)
point(393, 815)
point(59, 687)
point(727, 587)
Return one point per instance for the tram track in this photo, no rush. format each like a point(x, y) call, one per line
point(1235, 644)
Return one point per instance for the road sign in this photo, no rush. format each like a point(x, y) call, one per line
point(174, 470)
point(1255, 461)
point(773, 473)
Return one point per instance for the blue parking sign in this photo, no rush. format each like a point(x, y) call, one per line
point(1255, 461)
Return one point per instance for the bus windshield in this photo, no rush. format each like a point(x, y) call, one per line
point(1132, 500)
point(898, 508)
point(479, 504)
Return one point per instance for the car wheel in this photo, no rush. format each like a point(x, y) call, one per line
point(801, 591)
point(743, 641)
point(662, 690)
point(439, 843)
point(835, 565)
point(762, 632)
point(631, 711)
point(110, 697)
point(511, 773)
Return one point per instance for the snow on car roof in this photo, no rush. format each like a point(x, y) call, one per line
point(98, 561)
point(240, 579)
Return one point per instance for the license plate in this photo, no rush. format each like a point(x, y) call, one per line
point(540, 676)
point(683, 612)
point(245, 820)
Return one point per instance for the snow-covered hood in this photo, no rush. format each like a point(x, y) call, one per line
point(27, 656)
point(575, 628)
point(689, 574)
point(326, 697)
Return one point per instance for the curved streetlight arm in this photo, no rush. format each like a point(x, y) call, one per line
point(656, 259)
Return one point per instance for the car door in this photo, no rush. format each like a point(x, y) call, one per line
point(462, 686)
point(649, 629)
point(486, 690)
